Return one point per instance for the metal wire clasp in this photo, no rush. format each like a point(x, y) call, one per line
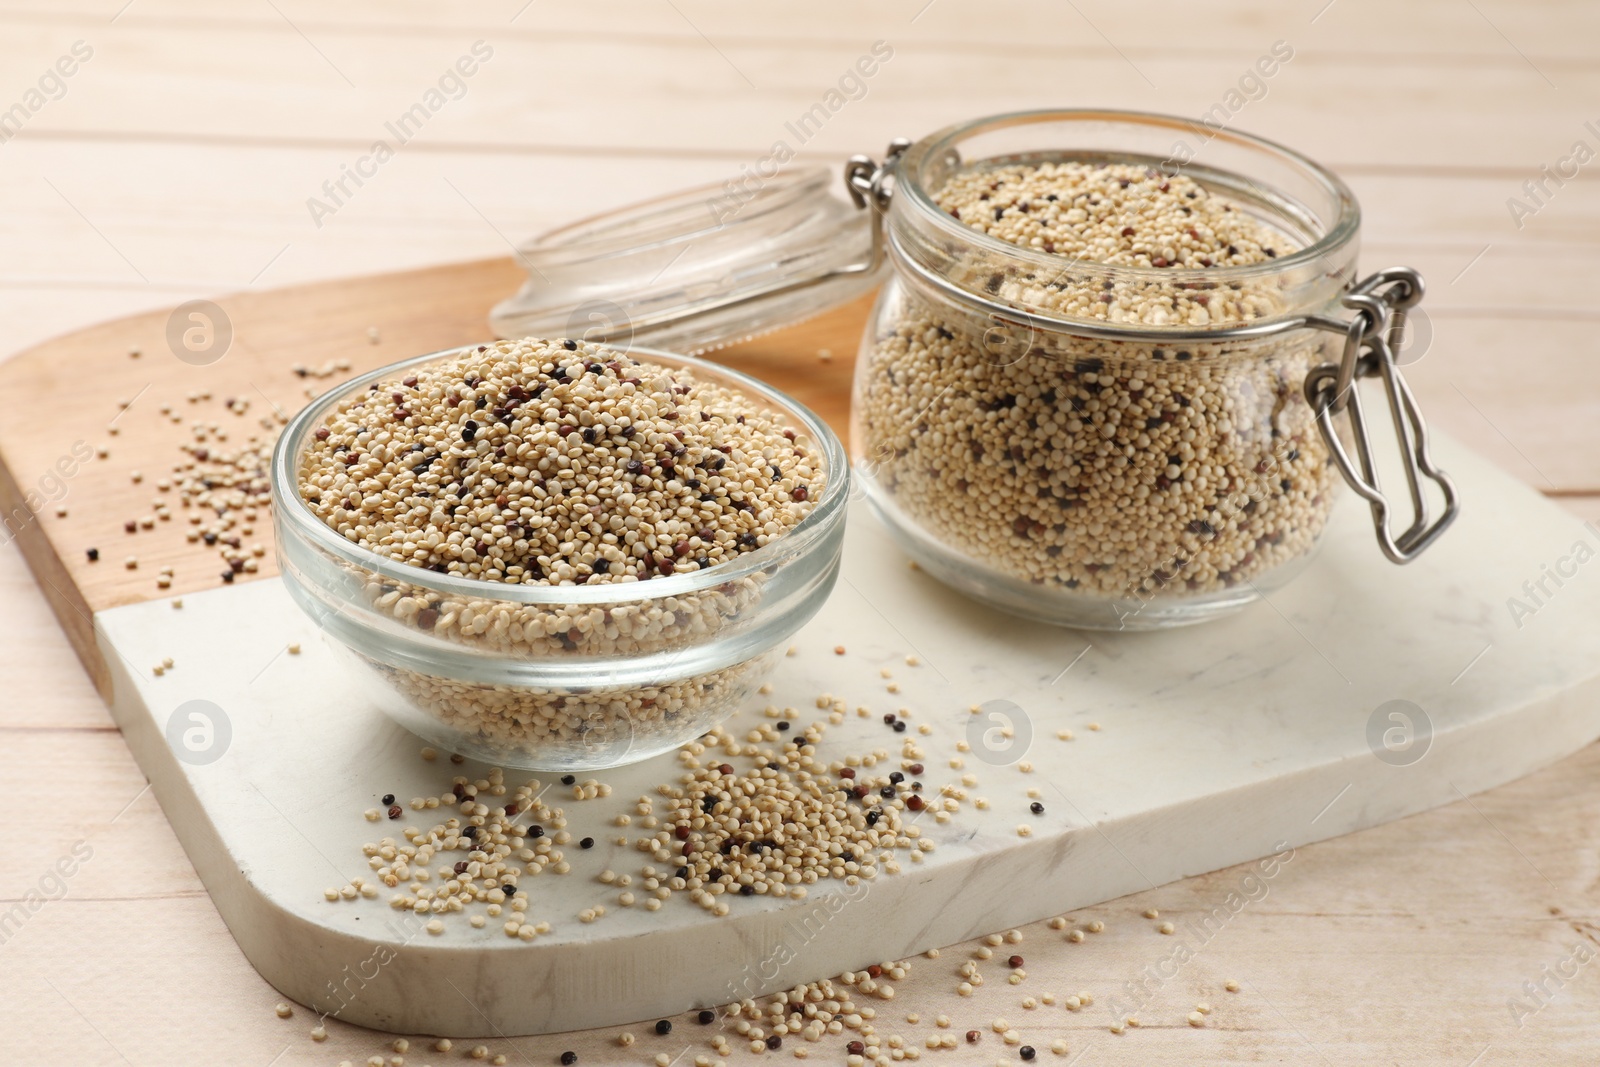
point(867, 182)
point(1380, 302)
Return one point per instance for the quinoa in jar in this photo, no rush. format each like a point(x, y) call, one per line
point(1082, 396)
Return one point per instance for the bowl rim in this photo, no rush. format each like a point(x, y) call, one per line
point(296, 518)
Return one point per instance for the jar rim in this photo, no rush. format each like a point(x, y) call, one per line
point(909, 187)
point(295, 516)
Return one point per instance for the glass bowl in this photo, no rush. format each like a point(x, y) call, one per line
point(552, 677)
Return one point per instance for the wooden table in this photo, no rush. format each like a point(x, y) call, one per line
point(177, 161)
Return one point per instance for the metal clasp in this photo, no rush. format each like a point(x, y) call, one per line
point(866, 180)
point(1380, 302)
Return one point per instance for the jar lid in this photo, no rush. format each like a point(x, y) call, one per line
point(696, 270)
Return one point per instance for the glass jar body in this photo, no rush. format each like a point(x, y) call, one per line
point(1144, 461)
point(1091, 483)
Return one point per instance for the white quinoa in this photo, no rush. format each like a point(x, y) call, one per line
point(524, 720)
point(785, 821)
point(1112, 469)
point(561, 463)
point(557, 463)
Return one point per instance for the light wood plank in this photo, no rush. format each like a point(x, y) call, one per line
point(342, 89)
point(1421, 31)
point(1403, 944)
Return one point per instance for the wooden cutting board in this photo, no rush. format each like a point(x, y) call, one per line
point(1361, 693)
point(65, 399)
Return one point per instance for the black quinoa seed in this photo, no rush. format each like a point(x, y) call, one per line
point(1026, 1052)
point(587, 842)
point(470, 832)
point(774, 1042)
point(568, 1058)
point(93, 554)
point(1036, 807)
point(388, 798)
point(900, 726)
point(568, 779)
point(706, 1017)
point(664, 1027)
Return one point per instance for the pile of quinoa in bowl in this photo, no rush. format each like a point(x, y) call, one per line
point(558, 554)
point(1057, 470)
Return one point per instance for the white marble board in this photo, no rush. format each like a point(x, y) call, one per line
point(1218, 744)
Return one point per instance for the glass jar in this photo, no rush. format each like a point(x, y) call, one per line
point(1123, 447)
